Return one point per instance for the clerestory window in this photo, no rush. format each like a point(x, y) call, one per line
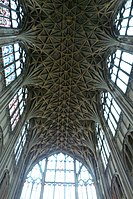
point(13, 58)
point(103, 146)
point(16, 106)
point(120, 67)
point(59, 176)
point(124, 19)
point(21, 142)
point(11, 14)
point(111, 111)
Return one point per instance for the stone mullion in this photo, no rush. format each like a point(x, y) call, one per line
point(7, 94)
point(126, 43)
point(99, 186)
point(76, 181)
point(124, 103)
point(116, 158)
point(102, 177)
point(43, 179)
point(7, 154)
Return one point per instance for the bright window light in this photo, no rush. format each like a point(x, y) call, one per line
point(59, 177)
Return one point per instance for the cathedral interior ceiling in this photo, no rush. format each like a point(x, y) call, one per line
point(68, 41)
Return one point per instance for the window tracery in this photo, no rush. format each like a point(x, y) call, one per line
point(128, 151)
point(120, 66)
point(11, 14)
point(111, 111)
point(13, 59)
point(124, 19)
point(16, 106)
point(103, 146)
point(59, 176)
point(117, 189)
point(21, 142)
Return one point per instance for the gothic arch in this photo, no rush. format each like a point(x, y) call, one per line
point(117, 191)
point(128, 152)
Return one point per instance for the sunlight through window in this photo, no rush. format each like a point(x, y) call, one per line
point(13, 60)
point(16, 106)
point(124, 19)
point(11, 14)
point(111, 111)
point(59, 176)
point(103, 146)
point(21, 142)
point(120, 67)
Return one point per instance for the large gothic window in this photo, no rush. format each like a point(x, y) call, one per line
point(120, 66)
point(103, 146)
point(13, 59)
point(11, 14)
point(124, 19)
point(16, 106)
point(59, 177)
point(111, 111)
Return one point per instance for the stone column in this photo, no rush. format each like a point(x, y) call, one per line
point(102, 178)
point(126, 43)
point(116, 158)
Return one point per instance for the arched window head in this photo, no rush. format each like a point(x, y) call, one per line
point(117, 191)
point(111, 111)
point(128, 152)
point(11, 14)
point(59, 177)
point(21, 142)
point(120, 66)
point(16, 106)
point(13, 60)
point(124, 19)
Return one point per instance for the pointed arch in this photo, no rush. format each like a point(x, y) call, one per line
point(59, 176)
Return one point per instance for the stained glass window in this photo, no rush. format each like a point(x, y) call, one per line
point(21, 142)
point(111, 111)
point(11, 14)
point(13, 59)
point(59, 176)
point(103, 146)
point(120, 66)
point(16, 106)
point(124, 19)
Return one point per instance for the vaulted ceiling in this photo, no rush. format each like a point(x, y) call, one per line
point(68, 42)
